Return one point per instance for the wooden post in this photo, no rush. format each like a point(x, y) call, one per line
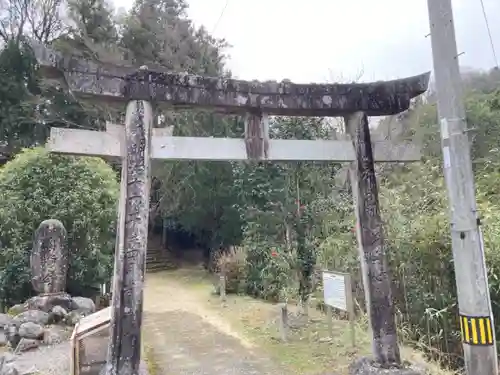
point(284, 322)
point(375, 268)
point(329, 320)
point(257, 136)
point(164, 233)
point(124, 351)
point(350, 308)
point(222, 287)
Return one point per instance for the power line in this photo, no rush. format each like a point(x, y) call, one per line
point(489, 32)
point(220, 16)
point(207, 46)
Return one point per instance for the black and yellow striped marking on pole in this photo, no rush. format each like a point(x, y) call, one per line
point(476, 330)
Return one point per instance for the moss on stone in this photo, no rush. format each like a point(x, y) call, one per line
point(149, 358)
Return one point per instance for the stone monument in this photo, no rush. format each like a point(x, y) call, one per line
point(49, 258)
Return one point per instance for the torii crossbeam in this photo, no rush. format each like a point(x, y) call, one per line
point(137, 143)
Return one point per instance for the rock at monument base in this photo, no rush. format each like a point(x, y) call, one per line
point(3, 338)
point(7, 357)
point(366, 366)
point(31, 330)
point(47, 302)
point(7, 366)
point(72, 318)
point(12, 335)
point(27, 344)
point(9, 369)
point(54, 335)
point(34, 316)
point(83, 305)
point(5, 320)
point(16, 309)
point(57, 314)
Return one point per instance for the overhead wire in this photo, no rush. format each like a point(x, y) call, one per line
point(489, 32)
point(221, 15)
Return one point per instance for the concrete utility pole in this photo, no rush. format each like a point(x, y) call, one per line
point(476, 319)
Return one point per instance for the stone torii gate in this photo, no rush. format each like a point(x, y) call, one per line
point(136, 144)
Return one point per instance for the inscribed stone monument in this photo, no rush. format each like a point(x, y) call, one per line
point(49, 258)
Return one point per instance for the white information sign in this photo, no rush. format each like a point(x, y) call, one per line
point(335, 290)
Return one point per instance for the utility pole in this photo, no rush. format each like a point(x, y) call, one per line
point(476, 320)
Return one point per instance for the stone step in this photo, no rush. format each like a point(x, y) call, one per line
point(157, 257)
point(159, 261)
point(155, 253)
point(156, 267)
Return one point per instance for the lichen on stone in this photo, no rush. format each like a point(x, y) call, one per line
point(112, 82)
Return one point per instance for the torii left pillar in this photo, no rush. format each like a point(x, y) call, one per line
point(124, 351)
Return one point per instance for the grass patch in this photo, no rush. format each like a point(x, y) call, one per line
point(309, 349)
point(150, 359)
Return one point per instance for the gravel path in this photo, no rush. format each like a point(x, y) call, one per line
point(186, 339)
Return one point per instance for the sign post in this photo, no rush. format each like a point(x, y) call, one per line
point(337, 293)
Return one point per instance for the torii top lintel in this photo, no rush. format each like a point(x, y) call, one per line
point(117, 83)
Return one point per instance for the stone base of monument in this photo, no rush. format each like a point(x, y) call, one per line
point(366, 366)
point(48, 301)
point(42, 320)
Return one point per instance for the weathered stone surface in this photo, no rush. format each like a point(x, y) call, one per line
point(34, 316)
point(9, 369)
point(376, 273)
point(7, 357)
point(48, 302)
point(83, 305)
point(12, 335)
point(125, 350)
point(53, 335)
point(49, 258)
point(3, 338)
point(143, 369)
point(111, 82)
point(31, 330)
point(57, 314)
point(366, 366)
point(5, 320)
point(72, 318)
point(27, 344)
point(17, 309)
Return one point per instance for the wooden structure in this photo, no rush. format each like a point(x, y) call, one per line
point(137, 144)
point(89, 342)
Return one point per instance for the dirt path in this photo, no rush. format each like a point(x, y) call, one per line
point(187, 338)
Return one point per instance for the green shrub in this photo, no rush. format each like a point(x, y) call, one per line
point(269, 271)
point(233, 266)
point(81, 192)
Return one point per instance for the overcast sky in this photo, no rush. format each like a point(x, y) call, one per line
point(318, 40)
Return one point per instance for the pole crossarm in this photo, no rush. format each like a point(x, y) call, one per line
point(91, 79)
point(108, 144)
